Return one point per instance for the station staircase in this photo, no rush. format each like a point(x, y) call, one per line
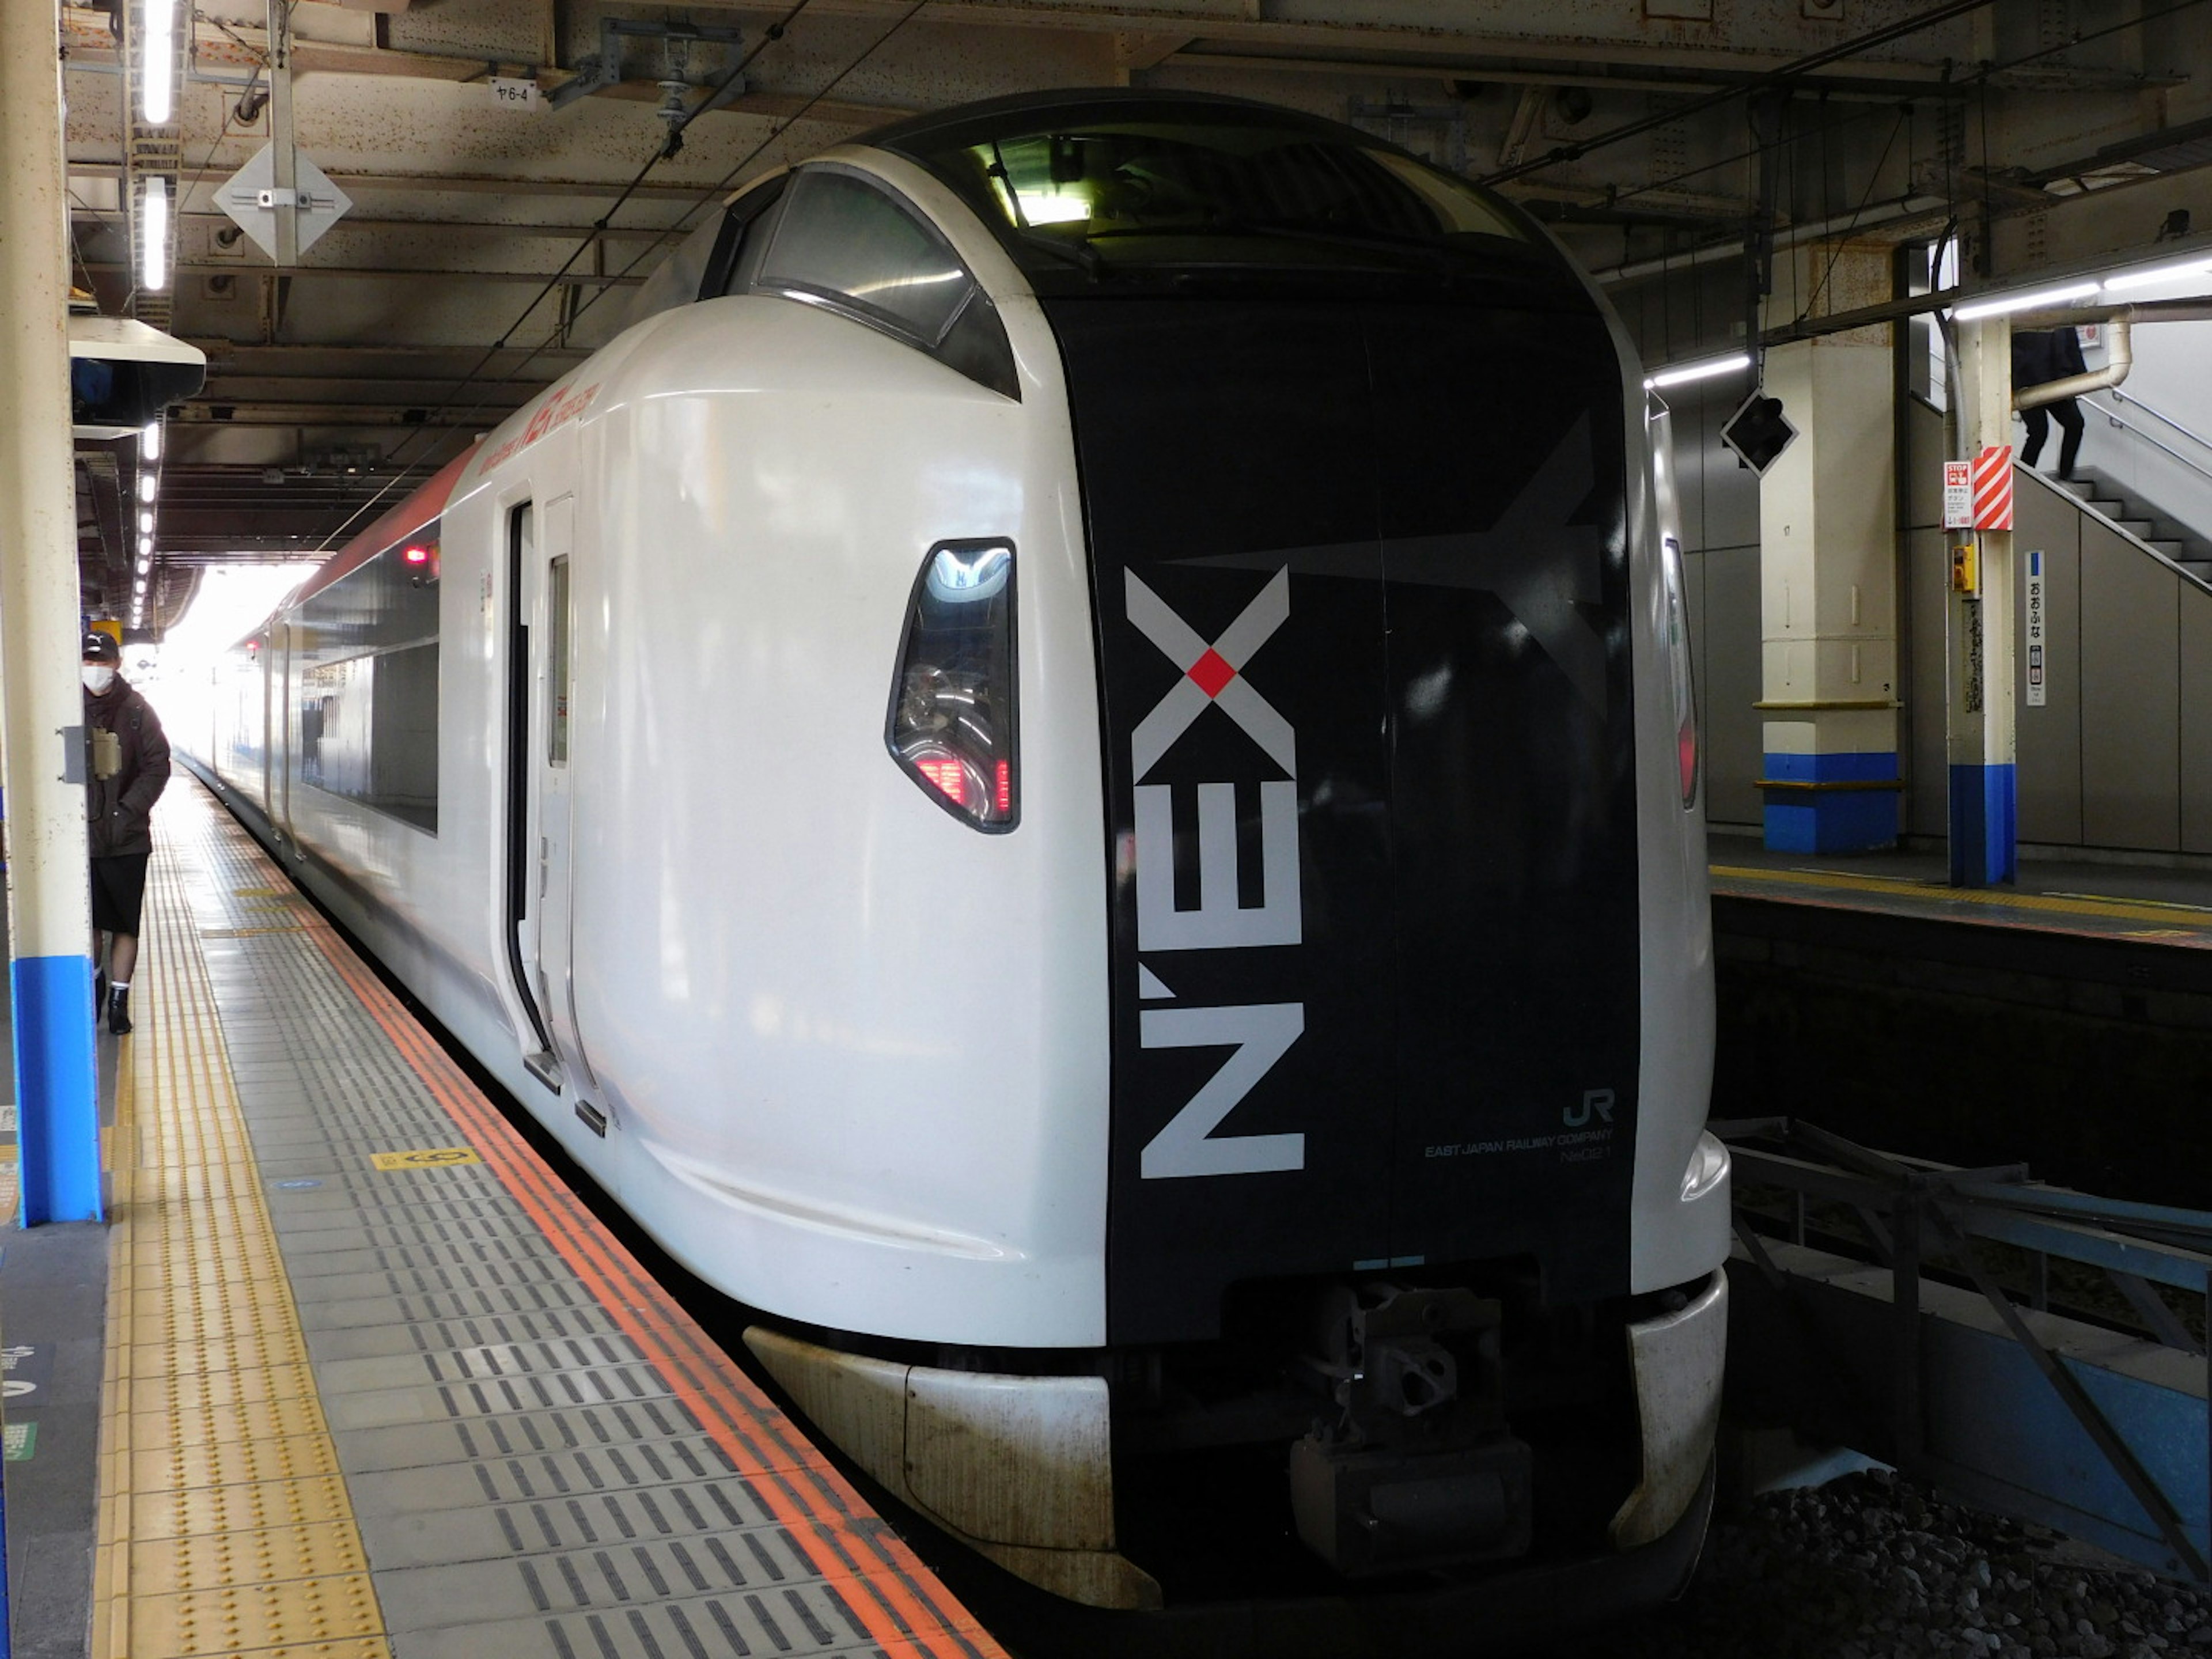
point(2176, 525)
point(2143, 521)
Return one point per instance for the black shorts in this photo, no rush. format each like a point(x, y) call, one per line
point(119, 893)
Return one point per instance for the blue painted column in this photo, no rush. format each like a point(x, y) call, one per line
point(41, 701)
point(1827, 561)
point(1980, 734)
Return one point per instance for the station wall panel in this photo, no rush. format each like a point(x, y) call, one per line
point(1727, 683)
point(2196, 722)
point(1927, 598)
point(2130, 696)
point(2050, 745)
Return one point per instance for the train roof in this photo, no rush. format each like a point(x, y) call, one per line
point(1019, 112)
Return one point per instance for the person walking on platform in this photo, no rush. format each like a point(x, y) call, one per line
point(2038, 357)
point(127, 768)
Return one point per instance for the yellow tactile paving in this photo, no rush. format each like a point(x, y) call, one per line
point(255, 1508)
point(267, 1557)
point(225, 1528)
point(241, 1617)
point(288, 1416)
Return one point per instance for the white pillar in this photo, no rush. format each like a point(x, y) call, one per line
point(49, 913)
point(1827, 563)
point(1978, 731)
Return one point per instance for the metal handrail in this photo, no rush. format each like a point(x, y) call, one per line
point(2155, 442)
point(2160, 415)
point(1913, 1212)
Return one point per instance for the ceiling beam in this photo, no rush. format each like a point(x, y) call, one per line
point(411, 273)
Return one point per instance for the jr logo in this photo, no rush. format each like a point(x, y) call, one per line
point(1594, 1100)
point(1261, 1033)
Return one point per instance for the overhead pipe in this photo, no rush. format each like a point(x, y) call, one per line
point(2120, 358)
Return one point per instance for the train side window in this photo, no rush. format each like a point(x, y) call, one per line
point(556, 661)
point(842, 241)
point(747, 225)
point(366, 674)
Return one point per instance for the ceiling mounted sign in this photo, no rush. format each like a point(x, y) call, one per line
point(251, 198)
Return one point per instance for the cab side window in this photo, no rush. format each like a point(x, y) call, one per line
point(839, 240)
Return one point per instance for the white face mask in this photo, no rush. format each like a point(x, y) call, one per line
point(98, 677)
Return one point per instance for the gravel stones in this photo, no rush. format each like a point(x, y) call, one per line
point(1871, 1566)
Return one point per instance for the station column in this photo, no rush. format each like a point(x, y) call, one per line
point(49, 909)
point(1978, 722)
point(1827, 522)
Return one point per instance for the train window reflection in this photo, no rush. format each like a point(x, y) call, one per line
point(1225, 186)
point(556, 661)
point(841, 239)
point(365, 670)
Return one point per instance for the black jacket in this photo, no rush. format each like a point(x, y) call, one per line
point(118, 810)
point(2041, 355)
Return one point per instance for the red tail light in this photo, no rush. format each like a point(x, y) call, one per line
point(952, 722)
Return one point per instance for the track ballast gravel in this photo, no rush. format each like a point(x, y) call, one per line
point(1870, 1566)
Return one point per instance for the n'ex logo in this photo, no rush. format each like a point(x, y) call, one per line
point(1212, 675)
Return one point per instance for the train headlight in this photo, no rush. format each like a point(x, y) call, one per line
point(952, 724)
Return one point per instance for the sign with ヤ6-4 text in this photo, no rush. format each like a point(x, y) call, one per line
point(1958, 494)
point(2039, 658)
point(513, 93)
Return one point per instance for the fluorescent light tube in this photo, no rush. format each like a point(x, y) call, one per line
point(154, 232)
point(2127, 279)
point(1703, 370)
point(2011, 302)
point(157, 63)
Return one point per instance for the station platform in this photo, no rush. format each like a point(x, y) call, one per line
point(371, 1380)
point(2064, 1021)
point(2144, 904)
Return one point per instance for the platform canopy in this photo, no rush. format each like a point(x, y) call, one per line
point(479, 144)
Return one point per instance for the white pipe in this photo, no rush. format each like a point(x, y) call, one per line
point(2119, 359)
point(42, 704)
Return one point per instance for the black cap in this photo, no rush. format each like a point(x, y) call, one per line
point(100, 645)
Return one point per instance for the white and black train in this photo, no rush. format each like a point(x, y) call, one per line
point(1070, 768)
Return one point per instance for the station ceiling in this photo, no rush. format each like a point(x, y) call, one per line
point(508, 167)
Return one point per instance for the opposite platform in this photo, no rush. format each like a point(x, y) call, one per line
point(378, 1383)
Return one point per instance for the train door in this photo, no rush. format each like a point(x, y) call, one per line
point(540, 549)
point(554, 662)
point(266, 660)
point(277, 748)
point(521, 906)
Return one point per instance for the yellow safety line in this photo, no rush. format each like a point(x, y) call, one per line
point(2118, 908)
point(224, 1524)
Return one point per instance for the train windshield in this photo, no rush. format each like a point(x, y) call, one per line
point(1107, 191)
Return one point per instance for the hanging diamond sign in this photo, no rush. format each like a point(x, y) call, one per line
point(251, 198)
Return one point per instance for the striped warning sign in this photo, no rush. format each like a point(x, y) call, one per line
point(1993, 487)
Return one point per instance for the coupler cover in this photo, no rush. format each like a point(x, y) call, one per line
point(1369, 1509)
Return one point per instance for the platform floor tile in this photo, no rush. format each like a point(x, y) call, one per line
point(479, 1428)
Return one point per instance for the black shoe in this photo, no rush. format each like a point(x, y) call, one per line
point(118, 1011)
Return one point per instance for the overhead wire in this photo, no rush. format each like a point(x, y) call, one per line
point(712, 193)
point(1963, 84)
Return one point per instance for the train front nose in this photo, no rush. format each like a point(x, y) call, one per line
point(1361, 584)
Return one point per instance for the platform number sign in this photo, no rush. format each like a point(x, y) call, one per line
point(2038, 631)
point(425, 1157)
